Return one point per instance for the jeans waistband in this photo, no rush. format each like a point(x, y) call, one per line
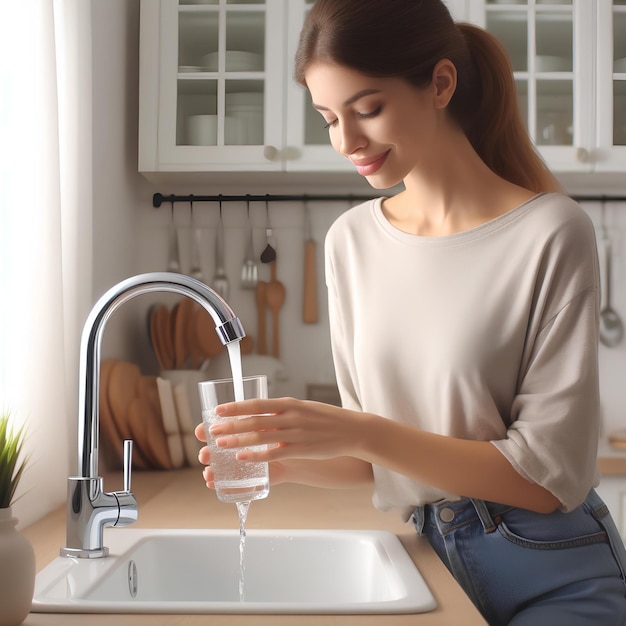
point(448, 515)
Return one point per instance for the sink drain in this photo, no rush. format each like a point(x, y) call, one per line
point(132, 579)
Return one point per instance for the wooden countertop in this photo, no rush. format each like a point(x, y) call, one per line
point(179, 499)
point(611, 461)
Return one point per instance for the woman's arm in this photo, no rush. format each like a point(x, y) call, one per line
point(299, 429)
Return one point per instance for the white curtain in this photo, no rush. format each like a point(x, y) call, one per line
point(45, 233)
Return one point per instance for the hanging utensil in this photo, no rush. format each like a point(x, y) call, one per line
point(173, 263)
point(261, 305)
point(309, 298)
point(220, 280)
point(611, 326)
point(195, 271)
point(269, 254)
point(275, 299)
point(249, 271)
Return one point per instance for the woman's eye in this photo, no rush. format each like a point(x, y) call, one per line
point(373, 113)
point(330, 124)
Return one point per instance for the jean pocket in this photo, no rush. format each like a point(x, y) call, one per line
point(554, 531)
point(600, 512)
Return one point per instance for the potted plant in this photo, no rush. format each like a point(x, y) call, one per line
point(17, 574)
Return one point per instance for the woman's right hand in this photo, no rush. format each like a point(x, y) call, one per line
point(278, 470)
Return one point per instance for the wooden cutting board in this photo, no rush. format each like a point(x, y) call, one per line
point(112, 440)
point(122, 390)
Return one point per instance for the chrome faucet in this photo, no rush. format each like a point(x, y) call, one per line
point(89, 508)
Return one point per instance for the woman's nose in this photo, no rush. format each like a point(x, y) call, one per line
point(349, 138)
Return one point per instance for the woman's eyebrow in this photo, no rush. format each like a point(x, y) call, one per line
point(351, 99)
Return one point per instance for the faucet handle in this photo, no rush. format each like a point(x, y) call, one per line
point(128, 463)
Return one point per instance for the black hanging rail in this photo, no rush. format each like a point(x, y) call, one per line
point(158, 199)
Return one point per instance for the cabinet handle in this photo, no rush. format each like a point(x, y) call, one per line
point(582, 154)
point(270, 153)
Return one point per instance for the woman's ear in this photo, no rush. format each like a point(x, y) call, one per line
point(444, 82)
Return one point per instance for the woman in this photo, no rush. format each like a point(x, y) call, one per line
point(464, 320)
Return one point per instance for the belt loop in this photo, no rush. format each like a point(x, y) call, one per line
point(417, 518)
point(489, 525)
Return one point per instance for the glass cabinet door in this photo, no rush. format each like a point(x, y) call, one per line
point(619, 72)
point(552, 62)
point(611, 80)
point(307, 142)
point(218, 98)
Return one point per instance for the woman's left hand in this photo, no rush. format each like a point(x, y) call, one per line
point(292, 428)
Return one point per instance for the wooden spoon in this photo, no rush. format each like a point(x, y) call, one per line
point(275, 297)
point(261, 304)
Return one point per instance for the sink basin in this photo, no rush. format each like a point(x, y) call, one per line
point(197, 571)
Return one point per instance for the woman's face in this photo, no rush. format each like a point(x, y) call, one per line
point(385, 126)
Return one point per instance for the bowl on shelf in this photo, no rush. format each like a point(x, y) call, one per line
point(247, 107)
point(202, 130)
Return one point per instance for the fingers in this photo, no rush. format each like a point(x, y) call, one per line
point(204, 456)
point(200, 432)
point(209, 477)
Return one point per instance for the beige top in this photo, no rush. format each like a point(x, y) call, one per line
point(488, 334)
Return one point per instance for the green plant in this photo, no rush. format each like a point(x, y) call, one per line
point(12, 460)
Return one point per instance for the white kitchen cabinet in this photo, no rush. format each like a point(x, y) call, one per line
point(211, 85)
point(188, 83)
point(610, 152)
point(563, 54)
point(204, 109)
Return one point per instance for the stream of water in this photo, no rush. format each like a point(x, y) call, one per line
point(234, 354)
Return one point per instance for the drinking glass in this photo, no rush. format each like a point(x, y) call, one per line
point(235, 481)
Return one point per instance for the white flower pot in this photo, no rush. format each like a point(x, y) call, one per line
point(17, 572)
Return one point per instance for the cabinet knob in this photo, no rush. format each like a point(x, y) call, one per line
point(582, 154)
point(270, 153)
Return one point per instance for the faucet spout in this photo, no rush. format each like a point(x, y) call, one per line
point(90, 509)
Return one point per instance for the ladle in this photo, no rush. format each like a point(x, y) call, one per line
point(611, 326)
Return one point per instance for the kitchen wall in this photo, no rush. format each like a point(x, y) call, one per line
point(130, 236)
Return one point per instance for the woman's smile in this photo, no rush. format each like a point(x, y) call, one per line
point(370, 165)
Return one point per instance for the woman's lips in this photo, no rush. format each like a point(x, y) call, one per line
point(367, 167)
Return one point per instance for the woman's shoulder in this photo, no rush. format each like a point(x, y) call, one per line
point(354, 220)
point(558, 215)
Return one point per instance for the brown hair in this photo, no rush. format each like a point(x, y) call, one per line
point(406, 38)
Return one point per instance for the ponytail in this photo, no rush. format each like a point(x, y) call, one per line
point(489, 114)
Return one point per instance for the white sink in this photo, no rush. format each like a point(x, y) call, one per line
point(197, 571)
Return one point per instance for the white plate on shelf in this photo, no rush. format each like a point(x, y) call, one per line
point(187, 69)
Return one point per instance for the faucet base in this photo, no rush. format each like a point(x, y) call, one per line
point(80, 553)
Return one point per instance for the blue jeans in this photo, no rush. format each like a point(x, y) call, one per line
point(528, 569)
